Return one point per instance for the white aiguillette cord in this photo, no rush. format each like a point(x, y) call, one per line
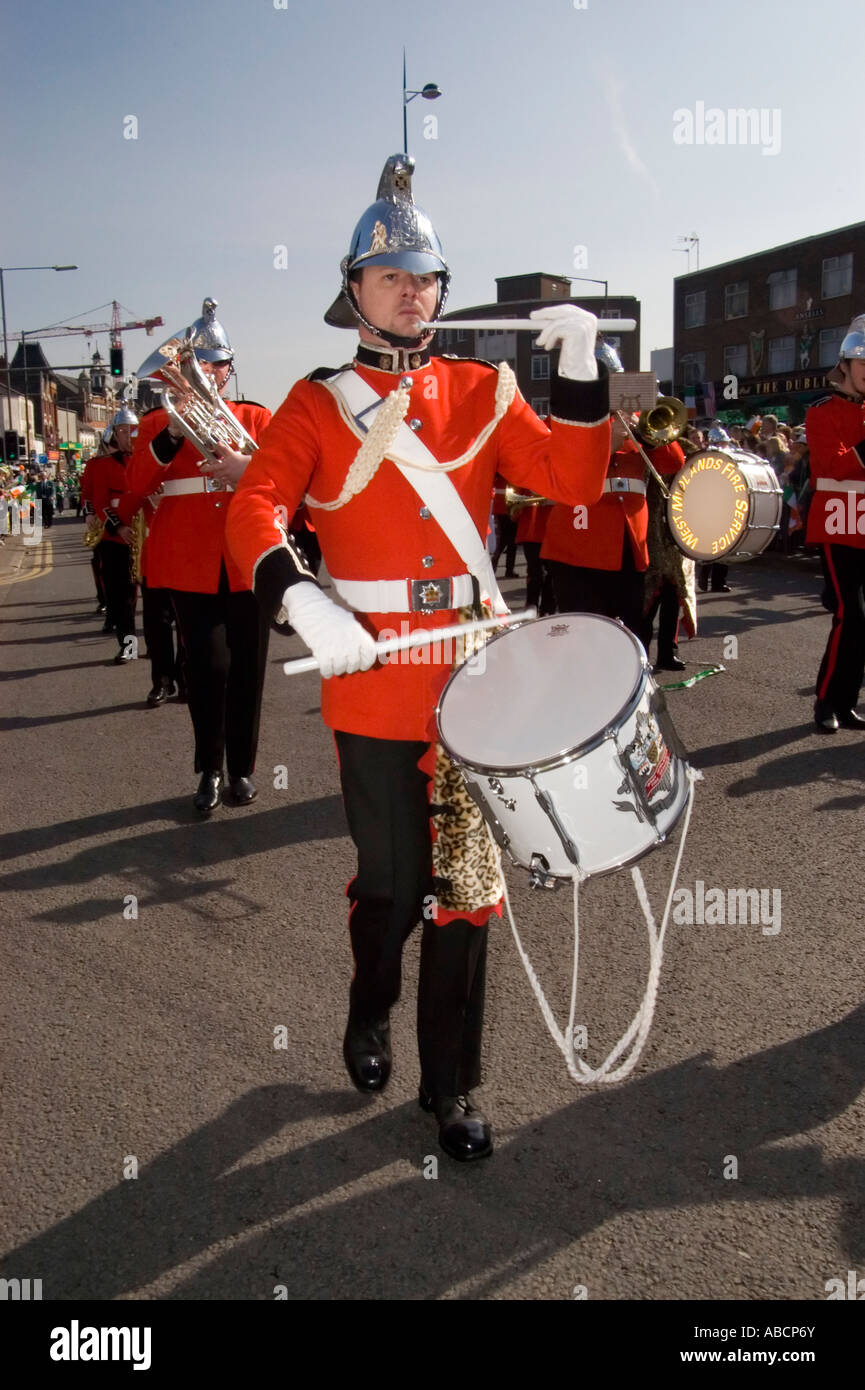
point(640, 1024)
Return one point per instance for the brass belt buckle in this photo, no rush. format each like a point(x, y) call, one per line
point(430, 595)
point(213, 484)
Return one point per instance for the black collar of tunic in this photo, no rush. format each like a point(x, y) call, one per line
point(388, 359)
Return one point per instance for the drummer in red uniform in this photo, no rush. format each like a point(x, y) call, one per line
point(835, 429)
point(223, 631)
point(396, 459)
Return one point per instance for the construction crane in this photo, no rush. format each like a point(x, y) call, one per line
point(115, 327)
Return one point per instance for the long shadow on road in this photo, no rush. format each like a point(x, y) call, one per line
point(159, 858)
point(655, 1143)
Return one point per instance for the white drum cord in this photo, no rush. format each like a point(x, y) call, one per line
point(636, 1035)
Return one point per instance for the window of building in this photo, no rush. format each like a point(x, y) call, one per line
point(462, 335)
point(540, 405)
point(541, 368)
point(837, 275)
point(782, 288)
point(736, 360)
point(692, 368)
point(782, 354)
point(695, 309)
point(736, 300)
point(830, 344)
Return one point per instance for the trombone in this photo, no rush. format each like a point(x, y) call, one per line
point(662, 423)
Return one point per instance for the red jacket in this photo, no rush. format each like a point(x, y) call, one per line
point(595, 539)
point(185, 542)
point(383, 532)
point(835, 429)
point(107, 480)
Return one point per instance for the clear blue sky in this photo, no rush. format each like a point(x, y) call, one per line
point(260, 127)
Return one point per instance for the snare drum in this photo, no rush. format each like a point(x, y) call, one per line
point(564, 742)
point(724, 504)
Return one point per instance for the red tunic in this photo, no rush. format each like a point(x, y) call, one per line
point(382, 533)
point(835, 429)
point(185, 543)
point(598, 540)
point(107, 480)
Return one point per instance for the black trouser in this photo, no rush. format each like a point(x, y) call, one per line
point(157, 620)
point(711, 574)
point(506, 540)
point(96, 566)
point(539, 581)
point(841, 670)
point(121, 594)
point(387, 807)
point(225, 638)
point(47, 512)
point(612, 593)
point(666, 605)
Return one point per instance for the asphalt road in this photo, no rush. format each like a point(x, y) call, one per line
point(728, 1165)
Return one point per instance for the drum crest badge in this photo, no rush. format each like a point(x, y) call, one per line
point(649, 756)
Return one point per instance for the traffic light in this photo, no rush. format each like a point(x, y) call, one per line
point(10, 446)
point(116, 361)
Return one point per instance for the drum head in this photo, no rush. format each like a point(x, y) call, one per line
point(709, 505)
point(540, 691)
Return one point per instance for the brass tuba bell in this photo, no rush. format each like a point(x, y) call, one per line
point(663, 422)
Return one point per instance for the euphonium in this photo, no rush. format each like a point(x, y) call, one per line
point(93, 531)
point(196, 406)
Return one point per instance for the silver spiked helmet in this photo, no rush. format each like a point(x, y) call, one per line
point(392, 231)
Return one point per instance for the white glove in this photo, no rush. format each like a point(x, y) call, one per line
point(336, 639)
point(575, 330)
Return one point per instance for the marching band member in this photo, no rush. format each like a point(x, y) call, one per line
point(397, 507)
point(531, 519)
point(86, 504)
point(835, 428)
point(598, 556)
point(157, 622)
point(109, 480)
point(222, 629)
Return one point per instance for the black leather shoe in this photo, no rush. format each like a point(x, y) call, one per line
point(206, 799)
point(671, 664)
point(464, 1131)
point(241, 790)
point(849, 719)
point(703, 586)
point(107, 627)
point(366, 1049)
point(825, 717)
point(160, 693)
point(123, 657)
point(721, 589)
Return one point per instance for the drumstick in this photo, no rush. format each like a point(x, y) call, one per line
point(528, 325)
point(421, 637)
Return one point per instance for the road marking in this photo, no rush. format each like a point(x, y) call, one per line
point(46, 562)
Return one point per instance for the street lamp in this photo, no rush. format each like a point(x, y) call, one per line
point(429, 92)
point(3, 270)
point(590, 281)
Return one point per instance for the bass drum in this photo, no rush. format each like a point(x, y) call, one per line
point(564, 742)
point(725, 504)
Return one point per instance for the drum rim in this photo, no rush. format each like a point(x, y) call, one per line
point(735, 553)
point(573, 751)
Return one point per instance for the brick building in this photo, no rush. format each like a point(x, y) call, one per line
point(766, 329)
point(516, 297)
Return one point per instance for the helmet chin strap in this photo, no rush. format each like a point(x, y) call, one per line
point(393, 339)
